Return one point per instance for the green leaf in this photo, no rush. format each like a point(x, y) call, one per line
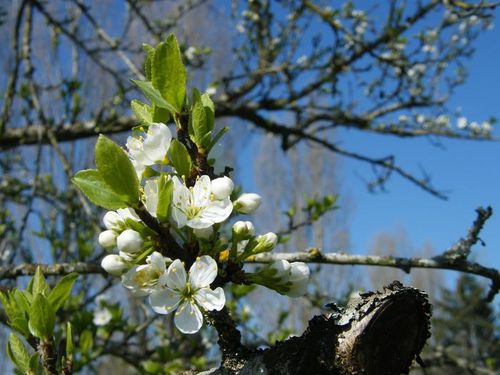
point(91, 183)
point(142, 111)
point(22, 301)
point(117, 170)
point(42, 318)
point(39, 284)
point(20, 324)
point(34, 364)
point(86, 341)
point(61, 292)
point(160, 114)
point(168, 72)
point(217, 137)
point(208, 104)
point(18, 353)
point(198, 124)
point(153, 95)
point(69, 341)
point(165, 191)
point(148, 62)
point(180, 158)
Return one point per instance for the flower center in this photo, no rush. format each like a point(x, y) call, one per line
point(193, 211)
point(187, 292)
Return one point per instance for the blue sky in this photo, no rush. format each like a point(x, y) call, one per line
point(468, 170)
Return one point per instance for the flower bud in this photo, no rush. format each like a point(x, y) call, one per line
point(282, 268)
point(247, 203)
point(107, 239)
point(129, 241)
point(112, 220)
point(222, 187)
point(243, 230)
point(299, 277)
point(266, 242)
point(203, 233)
point(114, 264)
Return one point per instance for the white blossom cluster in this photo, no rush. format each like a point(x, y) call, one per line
point(196, 214)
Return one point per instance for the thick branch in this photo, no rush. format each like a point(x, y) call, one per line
point(378, 333)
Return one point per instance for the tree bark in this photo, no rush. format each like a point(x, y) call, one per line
point(378, 333)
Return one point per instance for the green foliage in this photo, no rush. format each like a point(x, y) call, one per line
point(91, 183)
point(154, 95)
point(165, 192)
point(142, 111)
point(168, 73)
point(201, 120)
point(179, 156)
point(32, 313)
point(42, 318)
point(18, 353)
point(117, 170)
point(61, 292)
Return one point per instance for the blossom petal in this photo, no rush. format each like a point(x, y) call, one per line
point(176, 275)
point(203, 272)
point(151, 195)
point(157, 142)
point(199, 223)
point(157, 261)
point(210, 299)
point(201, 191)
point(164, 301)
point(218, 211)
point(188, 318)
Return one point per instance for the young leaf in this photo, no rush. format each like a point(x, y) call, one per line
point(208, 104)
point(117, 170)
point(142, 111)
point(168, 72)
point(42, 318)
point(165, 190)
point(149, 59)
point(69, 342)
point(39, 284)
point(18, 353)
point(160, 114)
point(180, 158)
point(154, 95)
point(61, 292)
point(91, 183)
point(199, 127)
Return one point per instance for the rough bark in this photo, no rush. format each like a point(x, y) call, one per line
point(378, 333)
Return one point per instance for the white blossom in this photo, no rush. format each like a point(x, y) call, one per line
point(107, 239)
point(211, 90)
point(114, 264)
point(129, 241)
point(196, 206)
point(141, 280)
point(462, 122)
point(292, 277)
point(222, 187)
point(153, 148)
point(247, 203)
point(102, 316)
point(187, 293)
point(151, 196)
point(190, 53)
point(266, 242)
point(243, 230)
point(299, 278)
